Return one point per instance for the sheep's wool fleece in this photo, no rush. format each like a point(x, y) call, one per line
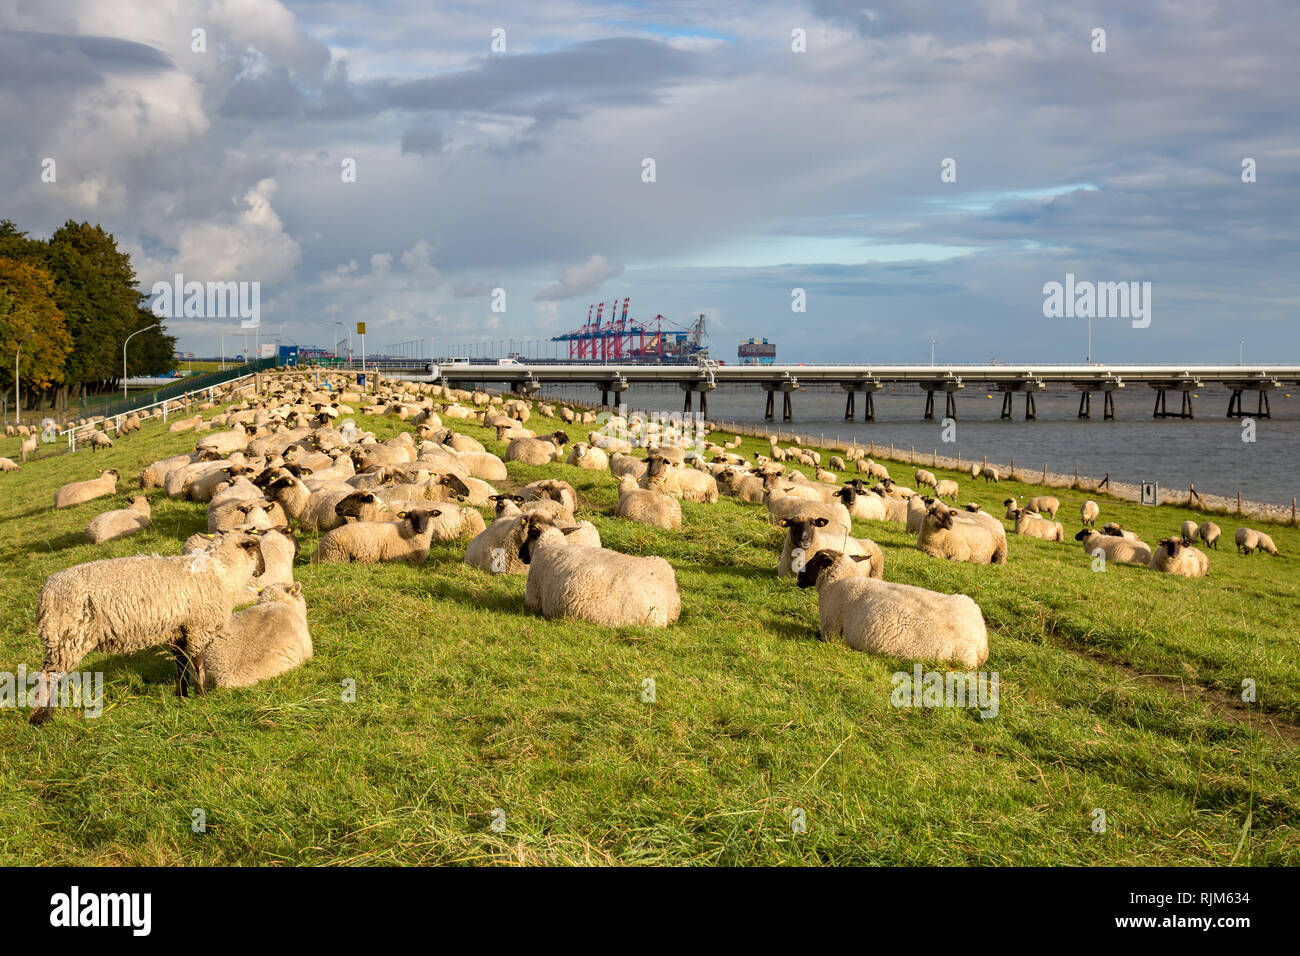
point(602, 587)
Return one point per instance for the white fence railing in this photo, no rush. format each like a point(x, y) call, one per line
point(175, 403)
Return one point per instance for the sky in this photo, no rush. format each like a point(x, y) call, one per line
point(920, 170)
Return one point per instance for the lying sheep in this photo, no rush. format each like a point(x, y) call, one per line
point(1035, 526)
point(370, 542)
point(119, 523)
point(742, 486)
point(121, 605)
point(894, 619)
point(942, 535)
point(1090, 512)
point(807, 536)
point(684, 483)
point(79, 492)
point(1209, 533)
point(1113, 529)
point(595, 584)
point(647, 506)
point(587, 456)
point(1115, 549)
point(1174, 557)
point(536, 451)
point(496, 548)
point(259, 642)
point(862, 504)
point(1249, 540)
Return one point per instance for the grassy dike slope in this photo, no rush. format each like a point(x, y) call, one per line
point(465, 702)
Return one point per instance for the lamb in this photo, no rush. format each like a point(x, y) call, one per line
point(684, 483)
point(1174, 557)
point(596, 585)
point(925, 478)
point(805, 536)
point(1090, 512)
point(1045, 505)
point(120, 605)
point(943, 536)
point(1115, 550)
point(260, 642)
point(1209, 533)
point(369, 542)
point(1249, 540)
point(647, 506)
point(8, 464)
point(587, 456)
point(898, 620)
point(120, 523)
point(79, 492)
point(1034, 526)
point(1189, 531)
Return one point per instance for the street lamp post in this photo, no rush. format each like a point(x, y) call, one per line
point(18, 395)
point(128, 339)
point(932, 345)
point(336, 341)
point(1241, 352)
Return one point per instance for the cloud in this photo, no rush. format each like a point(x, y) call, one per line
point(423, 141)
point(579, 279)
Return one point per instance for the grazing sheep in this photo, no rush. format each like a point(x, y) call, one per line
point(120, 523)
point(79, 492)
point(894, 619)
point(596, 585)
point(942, 535)
point(1188, 531)
point(1090, 512)
point(991, 474)
point(974, 471)
point(259, 642)
point(121, 605)
point(1044, 505)
point(1209, 533)
point(1115, 549)
point(99, 440)
point(8, 464)
point(925, 478)
point(806, 536)
point(1034, 526)
point(946, 489)
point(647, 505)
point(1174, 557)
point(836, 463)
point(1249, 540)
point(370, 542)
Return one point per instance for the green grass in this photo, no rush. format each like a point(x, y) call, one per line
point(465, 702)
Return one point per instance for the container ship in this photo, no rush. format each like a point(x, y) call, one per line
point(757, 352)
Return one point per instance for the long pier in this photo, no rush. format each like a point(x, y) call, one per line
point(866, 380)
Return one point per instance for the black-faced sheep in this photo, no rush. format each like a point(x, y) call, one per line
point(1174, 557)
point(804, 537)
point(943, 535)
point(370, 542)
point(1113, 548)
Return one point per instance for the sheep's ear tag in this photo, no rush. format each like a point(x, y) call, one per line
point(821, 522)
point(209, 536)
point(785, 522)
point(401, 514)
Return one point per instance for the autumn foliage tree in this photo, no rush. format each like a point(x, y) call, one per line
point(30, 316)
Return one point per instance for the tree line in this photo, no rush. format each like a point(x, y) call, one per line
point(71, 301)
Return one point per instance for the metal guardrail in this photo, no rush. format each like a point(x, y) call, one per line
point(183, 399)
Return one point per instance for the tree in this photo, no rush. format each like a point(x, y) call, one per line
point(28, 305)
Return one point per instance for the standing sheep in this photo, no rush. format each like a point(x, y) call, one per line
point(1249, 540)
point(121, 605)
point(925, 478)
point(1045, 505)
point(1189, 530)
point(1090, 513)
point(895, 619)
point(1209, 533)
point(946, 489)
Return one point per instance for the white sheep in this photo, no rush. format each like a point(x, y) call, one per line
point(647, 505)
point(8, 464)
point(595, 584)
point(943, 535)
point(120, 605)
point(259, 642)
point(587, 456)
point(924, 478)
point(684, 483)
point(119, 523)
point(1249, 540)
point(1044, 505)
point(1188, 531)
point(1209, 533)
point(1031, 525)
point(946, 488)
point(898, 620)
point(369, 542)
point(79, 492)
point(807, 536)
point(1090, 512)
point(1175, 557)
point(1114, 549)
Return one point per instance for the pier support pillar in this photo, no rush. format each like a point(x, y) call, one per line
point(929, 404)
point(1108, 406)
point(848, 405)
point(1085, 404)
point(950, 406)
point(703, 388)
point(768, 412)
point(1237, 405)
point(785, 388)
point(1162, 404)
point(618, 386)
point(1006, 403)
point(1031, 408)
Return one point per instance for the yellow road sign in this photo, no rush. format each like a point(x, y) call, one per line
point(361, 328)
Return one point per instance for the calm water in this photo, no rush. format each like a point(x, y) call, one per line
point(1207, 450)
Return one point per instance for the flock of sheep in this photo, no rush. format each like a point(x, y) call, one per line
point(290, 457)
